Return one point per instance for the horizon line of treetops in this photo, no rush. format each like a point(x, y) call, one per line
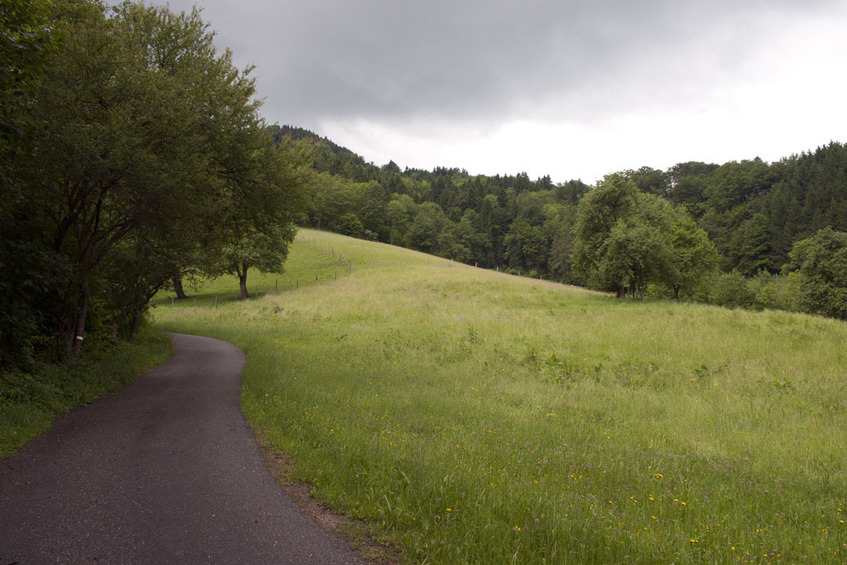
point(721, 234)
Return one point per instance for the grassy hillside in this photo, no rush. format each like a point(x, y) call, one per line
point(476, 417)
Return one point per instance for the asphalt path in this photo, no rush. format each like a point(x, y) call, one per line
point(164, 471)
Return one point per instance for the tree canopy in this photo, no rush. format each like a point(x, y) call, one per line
point(821, 262)
point(147, 157)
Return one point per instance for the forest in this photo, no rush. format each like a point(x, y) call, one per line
point(742, 234)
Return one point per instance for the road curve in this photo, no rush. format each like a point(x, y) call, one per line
point(164, 471)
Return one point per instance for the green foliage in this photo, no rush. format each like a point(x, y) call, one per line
point(821, 262)
point(731, 290)
point(775, 292)
point(746, 215)
point(26, 41)
point(349, 224)
point(254, 209)
point(598, 213)
point(149, 159)
point(649, 243)
point(694, 258)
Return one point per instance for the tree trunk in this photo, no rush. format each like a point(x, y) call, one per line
point(242, 282)
point(676, 292)
point(178, 289)
point(621, 289)
point(133, 326)
point(79, 330)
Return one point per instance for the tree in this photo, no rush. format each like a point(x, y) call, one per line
point(634, 254)
point(560, 253)
point(687, 185)
point(638, 248)
point(29, 271)
point(26, 42)
point(650, 181)
point(625, 240)
point(428, 223)
point(143, 131)
point(821, 262)
point(350, 224)
point(694, 256)
point(254, 223)
point(611, 200)
point(398, 213)
point(114, 149)
point(752, 250)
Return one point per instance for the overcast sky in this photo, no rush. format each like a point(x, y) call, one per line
point(573, 89)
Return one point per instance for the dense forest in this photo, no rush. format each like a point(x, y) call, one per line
point(751, 212)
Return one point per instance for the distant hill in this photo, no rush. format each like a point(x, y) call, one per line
point(753, 211)
point(331, 157)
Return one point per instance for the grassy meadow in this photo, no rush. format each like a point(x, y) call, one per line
point(469, 416)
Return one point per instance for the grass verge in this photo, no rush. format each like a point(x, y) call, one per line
point(475, 417)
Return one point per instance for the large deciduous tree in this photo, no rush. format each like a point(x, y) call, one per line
point(694, 257)
point(599, 211)
point(148, 149)
point(625, 240)
point(253, 219)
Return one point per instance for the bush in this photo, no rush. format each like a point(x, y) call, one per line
point(731, 290)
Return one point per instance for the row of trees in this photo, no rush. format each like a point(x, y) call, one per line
point(132, 154)
point(722, 234)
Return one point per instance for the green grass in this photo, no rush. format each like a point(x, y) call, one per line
point(29, 402)
point(476, 417)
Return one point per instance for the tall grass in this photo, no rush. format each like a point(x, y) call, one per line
point(476, 417)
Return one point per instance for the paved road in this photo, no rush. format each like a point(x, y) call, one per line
point(165, 471)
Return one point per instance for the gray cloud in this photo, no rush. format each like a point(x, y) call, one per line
point(437, 71)
point(342, 59)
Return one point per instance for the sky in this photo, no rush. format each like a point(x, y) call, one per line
point(565, 88)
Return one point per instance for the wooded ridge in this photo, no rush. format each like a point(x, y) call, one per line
point(732, 226)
